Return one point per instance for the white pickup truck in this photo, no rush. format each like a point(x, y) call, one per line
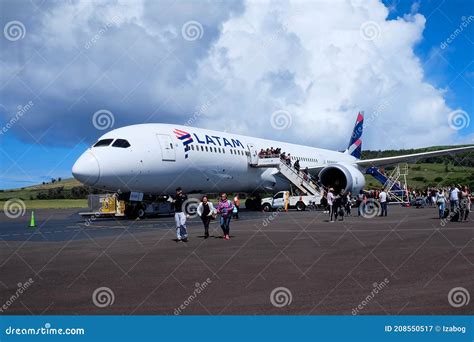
point(298, 202)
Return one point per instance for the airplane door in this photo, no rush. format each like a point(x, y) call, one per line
point(253, 157)
point(167, 149)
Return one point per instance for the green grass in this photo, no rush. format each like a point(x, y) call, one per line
point(56, 204)
point(29, 192)
point(433, 175)
point(67, 183)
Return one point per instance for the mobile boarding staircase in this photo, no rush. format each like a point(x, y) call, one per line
point(395, 183)
point(296, 178)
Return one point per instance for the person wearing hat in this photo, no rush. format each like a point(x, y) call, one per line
point(180, 216)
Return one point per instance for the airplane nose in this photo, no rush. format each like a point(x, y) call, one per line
point(86, 169)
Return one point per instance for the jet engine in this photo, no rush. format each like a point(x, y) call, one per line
point(342, 176)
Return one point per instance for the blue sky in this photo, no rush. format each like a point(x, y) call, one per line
point(453, 67)
point(137, 61)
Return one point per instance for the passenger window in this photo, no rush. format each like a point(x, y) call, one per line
point(122, 143)
point(280, 195)
point(103, 142)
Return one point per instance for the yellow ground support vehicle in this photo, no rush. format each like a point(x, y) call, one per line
point(130, 205)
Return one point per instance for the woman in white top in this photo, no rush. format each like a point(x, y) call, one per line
point(206, 211)
point(441, 203)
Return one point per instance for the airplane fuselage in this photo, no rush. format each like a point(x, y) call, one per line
point(157, 158)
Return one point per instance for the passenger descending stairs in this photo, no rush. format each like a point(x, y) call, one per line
point(295, 178)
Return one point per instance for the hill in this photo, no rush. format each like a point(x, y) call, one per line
point(65, 187)
point(422, 175)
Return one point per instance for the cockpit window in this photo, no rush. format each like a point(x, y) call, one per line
point(103, 142)
point(121, 143)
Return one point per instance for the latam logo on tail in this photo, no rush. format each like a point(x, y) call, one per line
point(214, 140)
point(355, 144)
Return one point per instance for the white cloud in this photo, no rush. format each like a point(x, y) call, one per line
point(331, 73)
point(309, 58)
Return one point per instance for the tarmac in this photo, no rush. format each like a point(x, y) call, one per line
point(280, 263)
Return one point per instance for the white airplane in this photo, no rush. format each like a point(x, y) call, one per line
point(157, 158)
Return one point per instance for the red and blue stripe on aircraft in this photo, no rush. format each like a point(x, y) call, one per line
point(186, 138)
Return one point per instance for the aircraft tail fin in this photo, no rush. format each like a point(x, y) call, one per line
point(355, 144)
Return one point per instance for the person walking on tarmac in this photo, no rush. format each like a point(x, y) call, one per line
point(206, 211)
point(464, 204)
point(441, 203)
point(383, 197)
point(235, 211)
point(361, 200)
point(330, 199)
point(224, 208)
point(339, 202)
point(179, 216)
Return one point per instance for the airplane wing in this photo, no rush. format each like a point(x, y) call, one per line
point(411, 157)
